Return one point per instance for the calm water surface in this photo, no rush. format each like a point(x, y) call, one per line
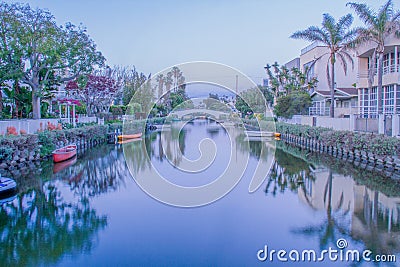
point(92, 213)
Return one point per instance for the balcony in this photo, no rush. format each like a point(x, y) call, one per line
point(391, 75)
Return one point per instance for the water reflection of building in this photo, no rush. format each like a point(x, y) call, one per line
point(374, 216)
point(316, 192)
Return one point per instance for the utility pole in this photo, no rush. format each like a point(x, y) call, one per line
point(237, 78)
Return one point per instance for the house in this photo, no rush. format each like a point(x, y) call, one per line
point(372, 102)
point(346, 96)
point(368, 103)
point(346, 100)
point(317, 68)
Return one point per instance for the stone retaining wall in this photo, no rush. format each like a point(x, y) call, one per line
point(388, 165)
point(25, 152)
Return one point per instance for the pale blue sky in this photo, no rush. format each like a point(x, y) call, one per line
point(153, 35)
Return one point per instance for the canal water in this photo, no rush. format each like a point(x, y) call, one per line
point(91, 212)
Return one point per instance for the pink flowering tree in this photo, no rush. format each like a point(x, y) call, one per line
point(96, 91)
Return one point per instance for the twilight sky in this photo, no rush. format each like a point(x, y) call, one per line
point(156, 34)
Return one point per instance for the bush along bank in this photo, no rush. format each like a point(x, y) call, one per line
point(22, 151)
point(374, 150)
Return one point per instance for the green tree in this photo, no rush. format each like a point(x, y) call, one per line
point(335, 35)
point(41, 53)
point(292, 104)
point(251, 98)
point(133, 81)
point(378, 27)
point(285, 81)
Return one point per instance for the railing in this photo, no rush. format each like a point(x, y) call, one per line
point(386, 70)
point(309, 47)
point(318, 111)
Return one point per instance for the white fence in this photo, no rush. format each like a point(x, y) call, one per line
point(32, 126)
point(383, 124)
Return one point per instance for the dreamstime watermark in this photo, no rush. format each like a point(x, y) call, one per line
point(340, 253)
point(157, 91)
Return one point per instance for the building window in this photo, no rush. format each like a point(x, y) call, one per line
point(364, 101)
point(398, 62)
point(386, 63)
point(373, 101)
point(391, 63)
point(388, 99)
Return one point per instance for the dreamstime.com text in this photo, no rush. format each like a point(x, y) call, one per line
point(340, 253)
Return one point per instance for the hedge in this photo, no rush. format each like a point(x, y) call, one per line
point(378, 144)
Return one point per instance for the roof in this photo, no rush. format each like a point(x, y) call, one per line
point(339, 93)
point(348, 91)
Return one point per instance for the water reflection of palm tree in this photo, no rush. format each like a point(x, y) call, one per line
point(288, 172)
point(39, 227)
point(328, 230)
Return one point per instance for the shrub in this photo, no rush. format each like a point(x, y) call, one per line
point(5, 153)
point(11, 130)
point(378, 144)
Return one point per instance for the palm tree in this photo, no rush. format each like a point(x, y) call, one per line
point(378, 27)
point(335, 35)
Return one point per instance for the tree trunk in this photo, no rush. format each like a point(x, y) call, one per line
point(35, 106)
point(380, 89)
point(35, 95)
point(332, 108)
point(16, 94)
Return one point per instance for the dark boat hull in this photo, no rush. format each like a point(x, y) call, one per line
point(7, 185)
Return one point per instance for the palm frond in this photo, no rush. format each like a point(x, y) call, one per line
point(367, 15)
point(343, 60)
point(349, 36)
point(311, 34)
point(328, 74)
point(396, 16)
point(386, 11)
point(347, 56)
point(344, 23)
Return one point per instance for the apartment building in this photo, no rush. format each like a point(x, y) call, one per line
point(346, 97)
point(372, 102)
point(352, 92)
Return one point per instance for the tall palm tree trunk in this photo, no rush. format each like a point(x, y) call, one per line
point(332, 108)
point(380, 89)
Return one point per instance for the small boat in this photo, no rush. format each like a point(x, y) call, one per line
point(257, 138)
point(64, 153)
point(7, 185)
point(8, 197)
point(259, 134)
point(160, 127)
point(128, 141)
point(63, 165)
point(129, 136)
point(277, 134)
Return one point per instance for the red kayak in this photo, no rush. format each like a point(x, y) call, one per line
point(64, 153)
